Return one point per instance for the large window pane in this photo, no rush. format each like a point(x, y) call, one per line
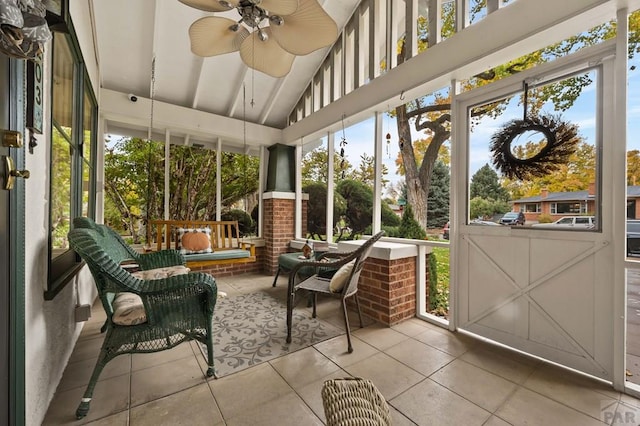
point(61, 146)
point(559, 187)
point(60, 192)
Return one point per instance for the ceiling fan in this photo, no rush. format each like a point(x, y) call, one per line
point(269, 34)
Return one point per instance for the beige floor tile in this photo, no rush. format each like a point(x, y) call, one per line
point(529, 408)
point(630, 400)
point(287, 410)
point(421, 357)
point(77, 374)
point(165, 379)
point(312, 393)
point(86, 349)
point(622, 415)
point(247, 389)
point(429, 403)
point(191, 407)
point(567, 388)
point(303, 367)
point(411, 327)
point(141, 361)
point(391, 377)
point(475, 384)
point(336, 350)
point(110, 396)
point(380, 336)
point(399, 419)
point(120, 419)
point(454, 344)
point(496, 421)
point(508, 364)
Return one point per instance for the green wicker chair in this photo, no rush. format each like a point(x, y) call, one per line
point(327, 266)
point(177, 308)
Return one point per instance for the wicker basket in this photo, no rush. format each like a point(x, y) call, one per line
point(354, 402)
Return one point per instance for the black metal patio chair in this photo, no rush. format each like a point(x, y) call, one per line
point(337, 275)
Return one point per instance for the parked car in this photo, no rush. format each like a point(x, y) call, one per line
point(513, 218)
point(633, 237)
point(570, 222)
point(445, 231)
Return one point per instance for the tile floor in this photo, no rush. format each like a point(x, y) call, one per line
point(428, 375)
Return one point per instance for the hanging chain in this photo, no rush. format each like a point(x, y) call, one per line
point(244, 144)
point(343, 143)
point(153, 93)
point(149, 146)
point(525, 101)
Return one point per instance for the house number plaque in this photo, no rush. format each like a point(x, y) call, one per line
point(34, 96)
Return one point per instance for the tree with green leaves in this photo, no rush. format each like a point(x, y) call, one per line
point(485, 183)
point(438, 201)
point(134, 182)
point(317, 209)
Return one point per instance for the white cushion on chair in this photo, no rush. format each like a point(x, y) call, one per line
point(341, 276)
point(128, 309)
point(160, 273)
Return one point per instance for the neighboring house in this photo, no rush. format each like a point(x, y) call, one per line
point(558, 204)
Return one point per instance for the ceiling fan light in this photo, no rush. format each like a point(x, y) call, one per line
point(276, 20)
point(262, 35)
point(225, 3)
point(308, 29)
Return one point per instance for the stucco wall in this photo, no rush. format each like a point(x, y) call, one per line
point(50, 328)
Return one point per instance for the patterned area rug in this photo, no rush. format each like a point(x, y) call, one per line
point(251, 328)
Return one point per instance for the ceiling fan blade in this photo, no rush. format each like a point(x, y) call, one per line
point(266, 56)
point(278, 7)
point(211, 36)
point(309, 28)
point(210, 5)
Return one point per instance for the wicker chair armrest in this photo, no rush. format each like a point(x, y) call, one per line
point(187, 294)
point(177, 282)
point(161, 259)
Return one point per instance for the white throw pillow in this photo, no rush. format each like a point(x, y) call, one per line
point(341, 276)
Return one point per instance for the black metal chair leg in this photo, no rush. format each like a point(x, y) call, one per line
point(275, 279)
point(290, 300)
point(346, 324)
point(359, 312)
point(315, 302)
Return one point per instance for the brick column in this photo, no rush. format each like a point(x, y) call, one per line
point(278, 228)
point(387, 286)
point(387, 289)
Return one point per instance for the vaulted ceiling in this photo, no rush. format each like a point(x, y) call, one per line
point(129, 34)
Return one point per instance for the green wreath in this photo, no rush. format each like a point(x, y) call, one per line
point(561, 141)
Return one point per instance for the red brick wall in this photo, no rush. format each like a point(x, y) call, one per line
point(278, 230)
point(387, 289)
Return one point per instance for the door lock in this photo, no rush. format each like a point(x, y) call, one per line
point(11, 173)
point(11, 138)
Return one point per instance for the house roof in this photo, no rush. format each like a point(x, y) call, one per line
point(632, 192)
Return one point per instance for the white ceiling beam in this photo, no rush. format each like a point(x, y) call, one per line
point(116, 107)
point(197, 91)
point(238, 91)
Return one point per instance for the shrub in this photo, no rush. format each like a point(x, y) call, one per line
point(545, 218)
point(409, 226)
point(245, 223)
